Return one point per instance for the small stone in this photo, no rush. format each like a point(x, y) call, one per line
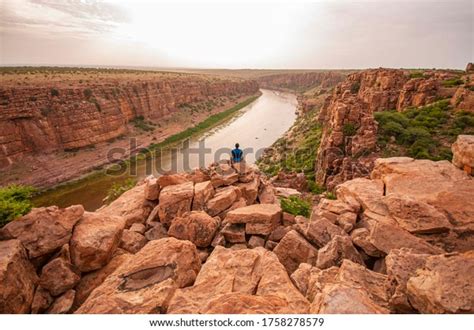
point(41, 301)
point(293, 250)
point(256, 241)
point(152, 188)
point(270, 245)
point(196, 226)
point(63, 303)
point(338, 249)
point(58, 276)
point(138, 228)
point(158, 231)
point(132, 241)
point(234, 233)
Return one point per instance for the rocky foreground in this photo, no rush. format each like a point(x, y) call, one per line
point(217, 241)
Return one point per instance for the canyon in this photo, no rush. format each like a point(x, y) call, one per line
point(48, 117)
point(218, 241)
point(346, 213)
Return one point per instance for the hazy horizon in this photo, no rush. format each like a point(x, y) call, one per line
point(298, 36)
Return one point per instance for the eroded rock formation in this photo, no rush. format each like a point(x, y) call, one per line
point(348, 145)
point(398, 242)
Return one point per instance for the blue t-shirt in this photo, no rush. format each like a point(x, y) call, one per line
point(237, 155)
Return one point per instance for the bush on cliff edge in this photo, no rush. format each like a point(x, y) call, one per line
point(15, 201)
point(296, 206)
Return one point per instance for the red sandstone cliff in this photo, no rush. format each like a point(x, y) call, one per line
point(349, 128)
point(47, 114)
point(301, 81)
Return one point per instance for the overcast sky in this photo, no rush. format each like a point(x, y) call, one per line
point(325, 34)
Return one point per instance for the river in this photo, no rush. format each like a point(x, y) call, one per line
point(254, 127)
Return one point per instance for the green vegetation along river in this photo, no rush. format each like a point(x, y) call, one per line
point(256, 126)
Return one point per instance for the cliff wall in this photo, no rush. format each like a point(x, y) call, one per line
point(56, 112)
point(349, 137)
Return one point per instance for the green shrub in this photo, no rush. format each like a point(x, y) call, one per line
point(452, 82)
point(423, 132)
point(54, 92)
point(46, 111)
point(416, 74)
point(315, 188)
point(96, 103)
point(393, 128)
point(386, 117)
point(119, 188)
point(355, 87)
point(412, 134)
point(464, 120)
point(331, 195)
point(87, 93)
point(296, 206)
point(15, 201)
point(140, 123)
point(349, 129)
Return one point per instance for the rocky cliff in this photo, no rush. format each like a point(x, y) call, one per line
point(302, 81)
point(66, 111)
point(217, 241)
point(349, 138)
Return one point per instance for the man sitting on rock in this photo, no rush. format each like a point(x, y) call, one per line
point(237, 154)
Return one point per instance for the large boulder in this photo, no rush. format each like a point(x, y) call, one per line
point(63, 303)
point(203, 191)
point(17, 278)
point(444, 284)
point(223, 175)
point(439, 184)
point(266, 192)
point(364, 192)
point(294, 249)
point(401, 265)
point(196, 226)
point(131, 205)
point(152, 188)
point(222, 200)
point(157, 231)
point(343, 299)
point(463, 153)
point(44, 229)
point(233, 233)
point(175, 200)
point(338, 249)
point(358, 276)
point(146, 282)
point(320, 231)
point(59, 276)
point(41, 301)
point(172, 179)
point(241, 303)
point(386, 237)
point(338, 212)
point(250, 190)
point(95, 239)
point(415, 216)
point(259, 219)
point(93, 279)
point(132, 241)
point(324, 288)
point(250, 272)
point(311, 280)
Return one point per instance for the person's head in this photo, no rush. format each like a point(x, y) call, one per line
point(237, 145)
